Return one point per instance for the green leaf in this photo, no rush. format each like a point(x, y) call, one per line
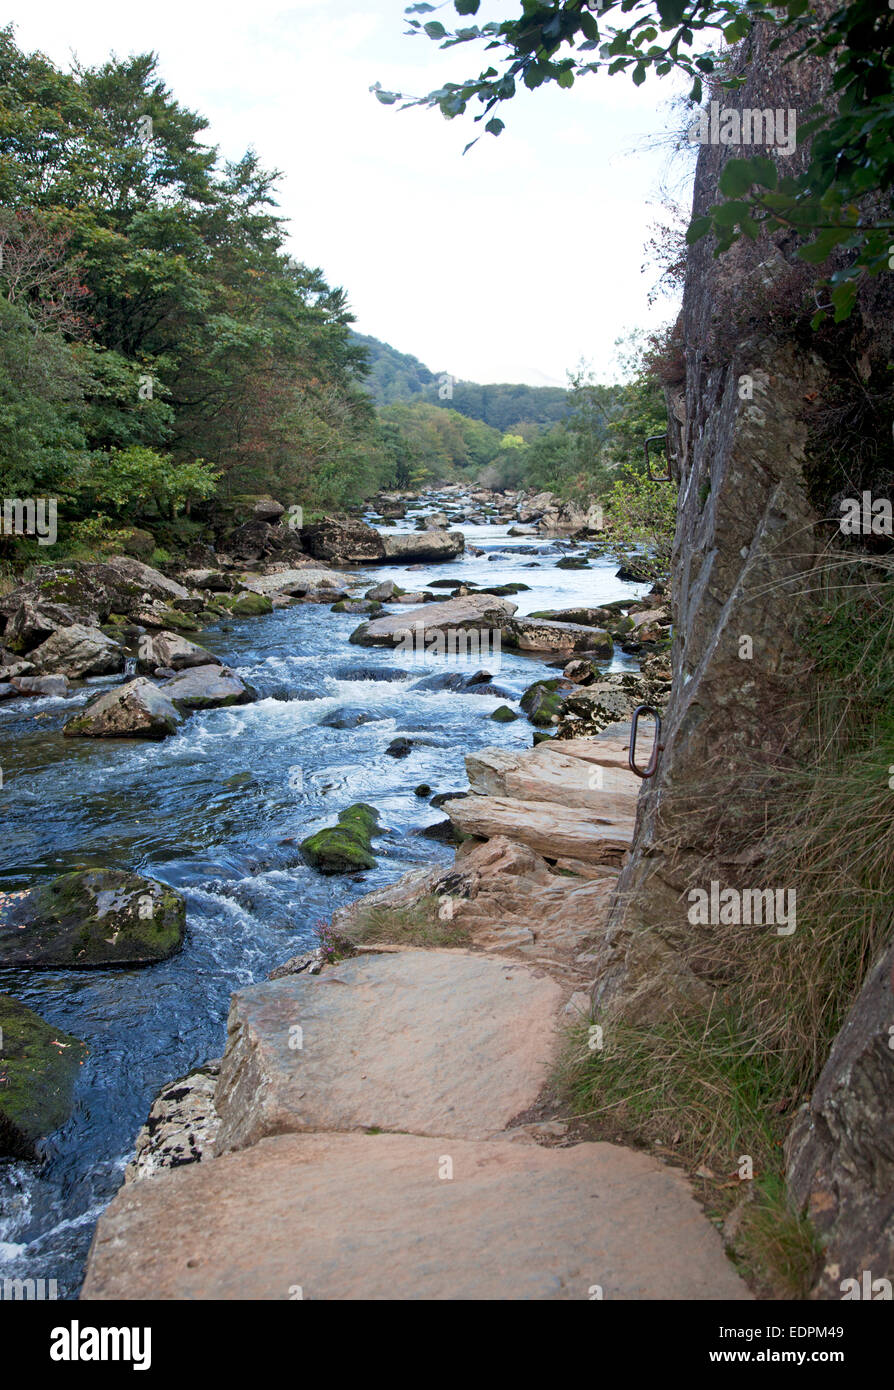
point(435, 29)
point(729, 214)
point(764, 171)
point(671, 11)
point(844, 297)
point(698, 227)
point(639, 74)
point(736, 177)
point(566, 78)
point(466, 6)
point(495, 125)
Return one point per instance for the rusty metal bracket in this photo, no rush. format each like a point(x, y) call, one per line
point(654, 439)
point(652, 764)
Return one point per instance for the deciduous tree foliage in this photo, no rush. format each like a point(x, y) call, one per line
point(151, 320)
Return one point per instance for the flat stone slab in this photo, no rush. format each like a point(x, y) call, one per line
point(551, 829)
point(474, 611)
point(351, 1216)
point(547, 773)
point(421, 1041)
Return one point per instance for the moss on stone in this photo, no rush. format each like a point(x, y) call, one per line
point(504, 715)
point(90, 919)
point(346, 847)
point(250, 605)
point(38, 1068)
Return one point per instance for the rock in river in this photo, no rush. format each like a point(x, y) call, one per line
point(90, 919)
point(168, 649)
point(346, 847)
point(138, 709)
point(78, 651)
point(474, 612)
point(207, 687)
point(39, 1066)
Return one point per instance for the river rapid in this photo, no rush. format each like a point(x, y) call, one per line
point(218, 810)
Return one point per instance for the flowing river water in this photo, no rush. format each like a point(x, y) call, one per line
point(218, 810)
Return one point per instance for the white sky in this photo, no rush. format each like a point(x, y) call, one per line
point(507, 264)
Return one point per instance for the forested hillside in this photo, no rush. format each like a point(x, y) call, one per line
point(397, 378)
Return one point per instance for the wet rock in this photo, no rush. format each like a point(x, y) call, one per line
point(537, 635)
point(504, 715)
point(351, 717)
point(573, 562)
point(77, 652)
point(137, 709)
point(399, 747)
point(384, 592)
point(371, 673)
point(422, 790)
point(470, 614)
point(542, 702)
point(35, 686)
point(92, 919)
point(39, 1068)
point(181, 1126)
point(168, 649)
point(347, 846)
point(207, 687)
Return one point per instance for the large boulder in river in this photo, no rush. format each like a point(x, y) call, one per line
point(343, 542)
point(39, 1065)
point(536, 635)
point(424, 545)
point(90, 919)
point(169, 649)
point(137, 709)
point(474, 612)
point(346, 847)
point(78, 651)
point(206, 687)
point(86, 593)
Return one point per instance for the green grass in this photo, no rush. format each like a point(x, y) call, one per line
point(416, 925)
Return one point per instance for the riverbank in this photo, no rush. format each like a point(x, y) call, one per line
point(218, 811)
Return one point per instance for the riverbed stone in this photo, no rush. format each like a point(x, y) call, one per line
point(137, 709)
point(427, 1041)
point(39, 1067)
point(343, 542)
point(170, 649)
point(472, 613)
point(549, 828)
point(425, 545)
point(77, 652)
point(89, 919)
point(346, 847)
point(206, 687)
point(41, 686)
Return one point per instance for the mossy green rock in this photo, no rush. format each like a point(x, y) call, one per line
point(504, 715)
point(90, 919)
point(541, 702)
point(346, 847)
point(38, 1069)
point(250, 605)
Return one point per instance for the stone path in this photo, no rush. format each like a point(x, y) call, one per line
point(370, 1140)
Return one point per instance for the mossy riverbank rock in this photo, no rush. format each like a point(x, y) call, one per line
point(346, 847)
point(90, 919)
point(250, 605)
point(38, 1069)
point(504, 715)
point(542, 702)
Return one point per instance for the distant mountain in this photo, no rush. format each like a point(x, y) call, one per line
point(397, 377)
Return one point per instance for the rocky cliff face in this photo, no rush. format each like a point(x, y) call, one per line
point(746, 543)
point(743, 419)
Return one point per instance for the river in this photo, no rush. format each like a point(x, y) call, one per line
point(218, 810)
